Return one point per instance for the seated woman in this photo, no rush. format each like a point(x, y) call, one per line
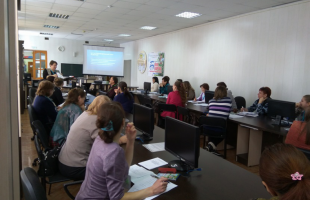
point(51, 71)
point(190, 92)
point(57, 95)
point(260, 106)
point(219, 106)
point(74, 154)
point(176, 97)
point(124, 97)
point(68, 113)
point(155, 85)
point(163, 86)
point(301, 107)
point(108, 165)
point(204, 87)
point(43, 106)
point(113, 86)
point(299, 133)
point(285, 172)
point(230, 95)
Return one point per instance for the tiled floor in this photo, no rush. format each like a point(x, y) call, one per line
point(57, 192)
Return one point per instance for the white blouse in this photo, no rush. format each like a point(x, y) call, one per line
point(155, 87)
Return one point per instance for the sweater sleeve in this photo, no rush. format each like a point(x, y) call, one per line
point(262, 109)
point(253, 107)
point(51, 111)
point(234, 105)
point(45, 73)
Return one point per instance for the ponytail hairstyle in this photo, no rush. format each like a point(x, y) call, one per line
point(156, 79)
point(182, 92)
point(123, 86)
point(306, 129)
point(277, 164)
point(73, 96)
point(110, 118)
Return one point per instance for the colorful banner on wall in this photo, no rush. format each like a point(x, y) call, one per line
point(156, 64)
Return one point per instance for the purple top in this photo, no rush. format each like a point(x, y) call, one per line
point(106, 172)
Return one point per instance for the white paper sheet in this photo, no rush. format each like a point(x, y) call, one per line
point(191, 101)
point(137, 173)
point(201, 104)
point(155, 147)
point(146, 182)
point(153, 163)
point(233, 116)
point(249, 114)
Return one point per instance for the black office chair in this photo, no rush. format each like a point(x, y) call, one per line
point(185, 113)
point(140, 99)
point(215, 127)
point(32, 188)
point(32, 117)
point(32, 94)
point(240, 101)
point(56, 177)
point(42, 134)
point(66, 185)
point(306, 152)
point(165, 107)
point(87, 86)
point(147, 101)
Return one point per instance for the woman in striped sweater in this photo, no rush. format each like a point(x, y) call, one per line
point(219, 106)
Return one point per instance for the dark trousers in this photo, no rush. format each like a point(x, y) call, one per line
point(74, 173)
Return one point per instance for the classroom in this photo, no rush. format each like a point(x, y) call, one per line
point(233, 73)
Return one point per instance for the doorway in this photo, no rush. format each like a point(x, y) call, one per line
point(35, 61)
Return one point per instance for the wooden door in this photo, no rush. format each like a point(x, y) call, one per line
point(40, 63)
point(30, 68)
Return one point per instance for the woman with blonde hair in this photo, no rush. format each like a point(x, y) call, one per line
point(68, 113)
point(190, 92)
point(74, 154)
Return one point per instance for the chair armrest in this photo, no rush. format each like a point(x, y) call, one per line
point(69, 184)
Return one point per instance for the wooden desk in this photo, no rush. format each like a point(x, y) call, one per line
point(218, 180)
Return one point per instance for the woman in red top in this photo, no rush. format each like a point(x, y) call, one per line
point(176, 97)
point(299, 133)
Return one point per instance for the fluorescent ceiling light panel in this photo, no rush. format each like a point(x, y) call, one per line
point(148, 27)
point(124, 35)
point(108, 40)
point(188, 15)
point(46, 33)
point(56, 15)
point(50, 26)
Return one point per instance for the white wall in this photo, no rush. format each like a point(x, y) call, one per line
point(51, 46)
point(265, 48)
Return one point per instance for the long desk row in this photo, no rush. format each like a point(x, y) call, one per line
point(249, 132)
point(218, 180)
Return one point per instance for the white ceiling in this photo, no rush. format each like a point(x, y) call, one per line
point(97, 22)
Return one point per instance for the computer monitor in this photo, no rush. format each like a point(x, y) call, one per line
point(208, 96)
point(147, 87)
point(169, 88)
point(281, 109)
point(182, 140)
point(27, 77)
point(143, 119)
point(69, 69)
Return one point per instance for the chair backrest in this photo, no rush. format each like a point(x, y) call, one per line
point(183, 111)
point(167, 107)
point(240, 101)
point(42, 134)
point(213, 126)
point(306, 152)
point(32, 188)
point(141, 99)
point(32, 93)
point(32, 116)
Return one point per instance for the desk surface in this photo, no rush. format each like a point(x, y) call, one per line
point(218, 180)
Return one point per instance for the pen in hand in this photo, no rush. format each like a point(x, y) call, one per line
point(154, 176)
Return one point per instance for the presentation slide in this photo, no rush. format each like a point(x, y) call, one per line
point(100, 60)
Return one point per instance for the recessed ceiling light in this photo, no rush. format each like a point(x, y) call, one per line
point(188, 15)
point(46, 33)
point(50, 26)
point(56, 15)
point(109, 6)
point(108, 40)
point(148, 27)
point(124, 35)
